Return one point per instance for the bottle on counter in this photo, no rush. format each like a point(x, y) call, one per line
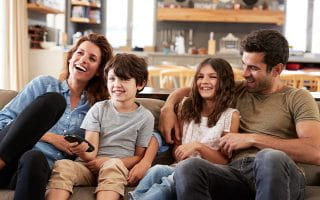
point(211, 45)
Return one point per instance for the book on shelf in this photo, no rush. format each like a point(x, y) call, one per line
point(79, 11)
point(94, 15)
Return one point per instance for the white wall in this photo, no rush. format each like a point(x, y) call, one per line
point(45, 62)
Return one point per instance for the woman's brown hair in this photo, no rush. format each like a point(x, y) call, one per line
point(223, 98)
point(96, 88)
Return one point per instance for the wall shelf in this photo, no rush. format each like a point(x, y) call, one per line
point(43, 9)
point(235, 16)
point(85, 3)
point(83, 20)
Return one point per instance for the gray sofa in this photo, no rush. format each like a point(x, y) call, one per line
point(86, 193)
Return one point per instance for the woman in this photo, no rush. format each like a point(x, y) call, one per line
point(33, 124)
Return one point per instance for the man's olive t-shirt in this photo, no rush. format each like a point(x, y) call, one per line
point(275, 114)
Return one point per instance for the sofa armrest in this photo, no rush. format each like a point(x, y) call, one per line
point(6, 96)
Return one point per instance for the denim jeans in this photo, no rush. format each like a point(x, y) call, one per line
point(271, 175)
point(156, 185)
point(163, 146)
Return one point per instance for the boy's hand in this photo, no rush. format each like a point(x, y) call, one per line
point(138, 172)
point(95, 165)
point(77, 148)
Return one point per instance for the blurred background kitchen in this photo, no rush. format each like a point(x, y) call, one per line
point(173, 35)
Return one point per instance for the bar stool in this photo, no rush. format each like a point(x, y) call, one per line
point(309, 82)
point(292, 80)
point(154, 73)
point(237, 74)
point(176, 78)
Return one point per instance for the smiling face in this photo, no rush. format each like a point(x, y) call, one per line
point(120, 90)
point(84, 63)
point(258, 80)
point(206, 82)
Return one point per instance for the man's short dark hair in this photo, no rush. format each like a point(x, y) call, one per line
point(128, 66)
point(270, 42)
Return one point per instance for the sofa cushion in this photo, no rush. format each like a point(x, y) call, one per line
point(312, 173)
point(154, 105)
point(6, 96)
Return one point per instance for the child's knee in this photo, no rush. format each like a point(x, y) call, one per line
point(113, 176)
point(62, 176)
point(63, 166)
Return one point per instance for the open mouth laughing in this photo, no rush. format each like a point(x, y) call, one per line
point(81, 68)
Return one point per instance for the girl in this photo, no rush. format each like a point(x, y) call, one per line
point(204, 117)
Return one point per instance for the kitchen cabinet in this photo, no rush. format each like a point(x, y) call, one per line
point(219, 15)
point(37, 19)
point(85, 16)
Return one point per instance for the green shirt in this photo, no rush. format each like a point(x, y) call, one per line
point(274, 114)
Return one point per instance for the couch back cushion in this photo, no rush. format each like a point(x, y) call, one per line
point(154, 105)
point(6, 96)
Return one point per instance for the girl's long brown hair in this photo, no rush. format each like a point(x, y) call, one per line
point(96, 88)
point(223, 98)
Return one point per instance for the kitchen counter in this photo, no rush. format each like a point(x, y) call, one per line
point(51, 61)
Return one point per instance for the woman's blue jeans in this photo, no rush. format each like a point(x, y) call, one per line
point(156, 185)
point(271, 175)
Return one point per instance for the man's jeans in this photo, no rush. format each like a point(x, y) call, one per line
point(156, 185)
point(271, 175)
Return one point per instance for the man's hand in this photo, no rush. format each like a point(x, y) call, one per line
point(186, 150)
point(138, 172)
point(95, 165)
point(235, 141)
point(168, 121)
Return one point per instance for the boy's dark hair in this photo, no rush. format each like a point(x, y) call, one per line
point(270, 42)
point(223, 95)
point(128, 66)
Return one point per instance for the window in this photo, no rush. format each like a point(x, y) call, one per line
point(117, 16)
point(303, 25)
point(296, 24)
point(316, 28)
point(143, 23)
point(130, 22)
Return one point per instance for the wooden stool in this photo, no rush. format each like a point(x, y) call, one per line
point(291, 80)
point(154, 74)
point(176, 78)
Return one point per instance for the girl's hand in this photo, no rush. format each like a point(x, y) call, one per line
point(186, 150)
point(95, 165)
point(138, 172)
point(77, 148)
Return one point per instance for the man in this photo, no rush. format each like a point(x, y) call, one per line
point(279, 126)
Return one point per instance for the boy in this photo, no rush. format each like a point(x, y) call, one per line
point(119, 129)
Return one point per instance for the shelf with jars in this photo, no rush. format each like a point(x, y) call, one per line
point(220, 15)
